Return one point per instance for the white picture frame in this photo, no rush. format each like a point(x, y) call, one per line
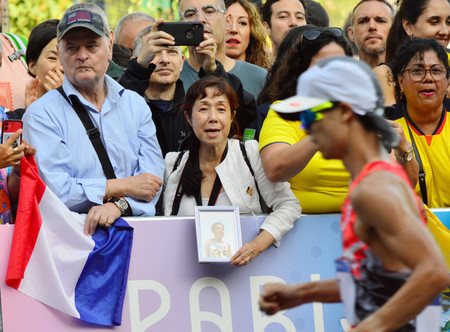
point(218, 230)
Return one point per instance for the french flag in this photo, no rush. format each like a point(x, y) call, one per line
point(54, 262)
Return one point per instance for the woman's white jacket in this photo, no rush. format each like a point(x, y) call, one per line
point(239, 185)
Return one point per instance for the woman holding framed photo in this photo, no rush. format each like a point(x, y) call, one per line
point(217, 170)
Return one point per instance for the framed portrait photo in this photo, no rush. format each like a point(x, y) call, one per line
point(218, 231)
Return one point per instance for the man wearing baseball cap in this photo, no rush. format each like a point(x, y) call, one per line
point(391, 271)
point(125, 178)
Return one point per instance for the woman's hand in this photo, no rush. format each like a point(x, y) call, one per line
point(9, 155)
point(32, 91)
point(54, 79)
point(28, 149)
point(404, 144)
point(248, 252)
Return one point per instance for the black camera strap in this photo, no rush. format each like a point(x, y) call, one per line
point(93, 133)
point(422, 182)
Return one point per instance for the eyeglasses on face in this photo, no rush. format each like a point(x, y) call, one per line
point(308, 117)
point(314, 34)
point(209, 12)
point(417, 73)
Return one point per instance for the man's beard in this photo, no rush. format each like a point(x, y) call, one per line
point(373, 51)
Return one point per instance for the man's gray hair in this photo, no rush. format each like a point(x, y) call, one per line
point(132, 17)
point(138, 42)
point(387, 3)
point(92, 7)
point(221, 4)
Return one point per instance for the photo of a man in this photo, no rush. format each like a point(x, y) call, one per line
point(217, 247)
point(218, 233)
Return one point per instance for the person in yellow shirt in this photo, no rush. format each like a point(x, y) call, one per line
point(287, 153)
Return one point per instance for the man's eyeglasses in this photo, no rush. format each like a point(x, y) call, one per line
point(308, 117)
point(417, 73)
point(209, 12)
point(314, 34)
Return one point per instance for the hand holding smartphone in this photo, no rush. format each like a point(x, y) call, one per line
point(185, 33)
point(9, 127)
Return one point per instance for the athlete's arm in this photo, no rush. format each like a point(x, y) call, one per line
point(383, 202)
point(277, 296)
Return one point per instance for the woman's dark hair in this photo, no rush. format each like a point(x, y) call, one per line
point(289, 40)
point(298, 61)
point(192, 175)
point(408, 50)
point(410, 10)
point(40, 36)
point(257, 52)
point(317, 15)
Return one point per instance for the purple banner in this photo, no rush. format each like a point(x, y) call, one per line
point(168, 290)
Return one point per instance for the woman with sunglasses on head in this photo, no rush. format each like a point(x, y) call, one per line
point(287, 153)
point(421, 73)
point(246, 38)
point(218, 170)
point(415, 18)
point(266, 97)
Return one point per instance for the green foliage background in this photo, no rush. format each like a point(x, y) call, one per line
point(25, 14)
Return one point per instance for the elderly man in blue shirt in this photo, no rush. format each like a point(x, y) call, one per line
point(66, 158)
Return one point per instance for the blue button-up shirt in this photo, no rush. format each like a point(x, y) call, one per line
point(67, 161)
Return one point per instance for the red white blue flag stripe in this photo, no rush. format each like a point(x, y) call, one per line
point(54, 262)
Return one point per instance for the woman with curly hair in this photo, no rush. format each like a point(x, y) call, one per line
point(246, 37)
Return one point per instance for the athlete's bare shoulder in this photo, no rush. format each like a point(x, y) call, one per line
point(382, 195)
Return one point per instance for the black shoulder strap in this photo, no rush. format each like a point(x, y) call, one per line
point(93, 133)
point(178, 161)
point(179, 191)
point(244, 154)
point(264, 206)
point(422, 183)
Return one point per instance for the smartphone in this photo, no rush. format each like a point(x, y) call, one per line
point(9, 127)
point(185, 33)
point(389, 112)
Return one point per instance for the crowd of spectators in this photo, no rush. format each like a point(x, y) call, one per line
point(236, 49)
point(123, 124)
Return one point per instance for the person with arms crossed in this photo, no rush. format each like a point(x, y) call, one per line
point(66, 159)
point(387, 253)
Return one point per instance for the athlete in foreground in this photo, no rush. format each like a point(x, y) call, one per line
point(391, 272)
